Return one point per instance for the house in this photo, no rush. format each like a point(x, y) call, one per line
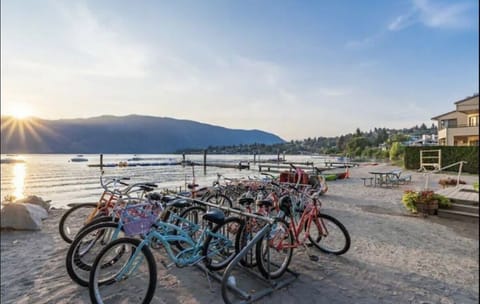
point(459, 127)
point(425, 140)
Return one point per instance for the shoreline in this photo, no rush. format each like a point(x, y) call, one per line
point(395, 257)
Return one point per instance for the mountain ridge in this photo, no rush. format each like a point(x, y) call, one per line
point(121, 134)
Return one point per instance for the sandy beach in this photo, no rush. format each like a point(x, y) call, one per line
point(395, 257)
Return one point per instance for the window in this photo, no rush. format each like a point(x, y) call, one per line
point(448, 123)
point(473, 121)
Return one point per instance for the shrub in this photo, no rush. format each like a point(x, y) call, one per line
point(450, 155)
point(412, 198)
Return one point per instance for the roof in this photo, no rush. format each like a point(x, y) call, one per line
point(437, 117)
point(466, 98)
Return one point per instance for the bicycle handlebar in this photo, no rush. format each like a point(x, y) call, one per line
point(128, 188)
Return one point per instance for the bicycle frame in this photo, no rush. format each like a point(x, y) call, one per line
point(309, 215)
point(103, 204)
point(166, 239)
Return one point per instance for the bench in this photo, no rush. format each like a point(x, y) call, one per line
point(370, 179)
point(405, 179)
point(398, 178)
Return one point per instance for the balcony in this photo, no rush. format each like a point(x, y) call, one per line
point(459, 126)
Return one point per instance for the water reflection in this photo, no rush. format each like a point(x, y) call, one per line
point(19, 173)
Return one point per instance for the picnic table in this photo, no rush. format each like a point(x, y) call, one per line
point(385, 178)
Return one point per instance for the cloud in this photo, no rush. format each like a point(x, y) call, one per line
point(457, 15)
point(402, 22)
point(109, 50)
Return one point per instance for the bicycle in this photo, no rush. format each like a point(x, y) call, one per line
point(79, 215)
point(212, 247)
point(100, 232)
point(274, 251)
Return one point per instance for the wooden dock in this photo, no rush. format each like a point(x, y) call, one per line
point(330, 164)
point(460, 193)
point(128, 164)
point(186, 163)
point(239, 165)
point(464, 200)
point(285, 167)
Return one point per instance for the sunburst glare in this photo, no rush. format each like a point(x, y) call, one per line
point(21, 111)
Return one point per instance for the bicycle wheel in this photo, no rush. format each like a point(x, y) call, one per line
point(190, 221)
point(74, 219)
point(132, 279)
point(274, 251)
point(85, 248)
point(220, 199)
point(333, 239)
point(97, 220)
point(220, 246)
point(252, 226)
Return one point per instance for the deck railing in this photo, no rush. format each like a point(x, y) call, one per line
point(428, 173)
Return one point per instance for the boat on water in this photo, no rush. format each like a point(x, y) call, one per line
point(79, 158)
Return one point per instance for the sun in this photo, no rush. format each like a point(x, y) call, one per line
point(21, 111)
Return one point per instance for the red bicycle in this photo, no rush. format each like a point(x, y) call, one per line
point(274, 251)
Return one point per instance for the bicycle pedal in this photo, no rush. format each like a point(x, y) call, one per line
point(309, 245)
point(314, 258)
point(167, 266)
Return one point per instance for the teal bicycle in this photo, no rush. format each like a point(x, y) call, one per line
point(123, 222)
point(131, 277)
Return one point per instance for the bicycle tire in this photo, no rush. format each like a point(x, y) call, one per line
point(97, 220)
point(213, 236)
point(287, 236)
point(342, 236)
point(95, 283)
point(64, 233)
point(77, 264)
point(220, 199)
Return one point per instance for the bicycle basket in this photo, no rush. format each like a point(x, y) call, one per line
point(139, 225)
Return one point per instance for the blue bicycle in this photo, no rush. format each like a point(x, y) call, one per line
point(132, 276)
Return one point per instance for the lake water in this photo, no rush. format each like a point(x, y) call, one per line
point(54, 177)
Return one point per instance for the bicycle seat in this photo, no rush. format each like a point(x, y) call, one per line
point(154, 196)
point(247, 201)
point(146, 189)
point(168, 198)
point(266, 203)
point(179, 203)
point(192, 186)
point(215, 216)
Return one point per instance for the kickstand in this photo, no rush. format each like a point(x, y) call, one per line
point(310, 256)
point(209, 281)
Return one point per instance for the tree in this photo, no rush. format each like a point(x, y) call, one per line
point(396, 151)
point(341, 143)
point(356, 145)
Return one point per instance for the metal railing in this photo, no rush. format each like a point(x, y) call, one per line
point(460, 163)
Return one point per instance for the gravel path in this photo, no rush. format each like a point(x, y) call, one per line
point(394, 258)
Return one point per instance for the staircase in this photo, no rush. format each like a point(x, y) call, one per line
point(464, 203)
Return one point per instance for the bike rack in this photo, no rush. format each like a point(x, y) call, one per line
point(271, 285)
point(245, 296)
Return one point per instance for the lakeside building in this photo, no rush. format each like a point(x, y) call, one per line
point(424, 140)
point(460, 127)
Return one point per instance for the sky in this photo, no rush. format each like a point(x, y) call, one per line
point(297, 69)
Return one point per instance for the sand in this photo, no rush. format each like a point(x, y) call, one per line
point(394, 257)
